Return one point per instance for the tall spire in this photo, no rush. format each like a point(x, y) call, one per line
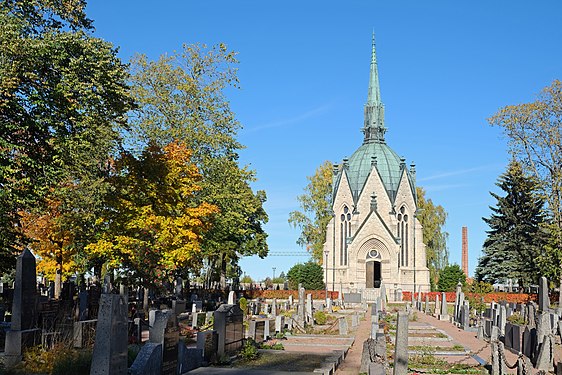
point(374, 96)
point(374, 128)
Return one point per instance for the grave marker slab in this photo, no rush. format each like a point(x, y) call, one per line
point(110, 349)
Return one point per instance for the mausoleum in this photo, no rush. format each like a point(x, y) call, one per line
point(374, 235)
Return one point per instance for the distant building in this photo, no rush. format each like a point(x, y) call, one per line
point(374, 234)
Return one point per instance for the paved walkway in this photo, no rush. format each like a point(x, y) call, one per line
point(352, 362)
point(467, 339)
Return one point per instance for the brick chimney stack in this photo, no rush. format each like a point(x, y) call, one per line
point(465, 250)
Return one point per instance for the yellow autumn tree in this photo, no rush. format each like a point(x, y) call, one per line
point(153, 225)
point(49, 241)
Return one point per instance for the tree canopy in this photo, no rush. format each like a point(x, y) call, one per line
point(516, 238)
point(432, 218)
point(309, 274)
point(316, 211)
point(449, 277)
point(153, 227)
point(535, 140)
point(181, 97)
point(63, 100)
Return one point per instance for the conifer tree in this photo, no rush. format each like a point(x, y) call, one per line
point(515, 239)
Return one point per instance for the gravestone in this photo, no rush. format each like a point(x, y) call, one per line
point(178, 306)
point(444, 315)
point(290, 301)
point(329, 306)
point(274, 308)
point(188, 358)
point(383, 296)
point(401, 345)
point(309, 316)
point(170, 345)
point(465, 316)
point(543, 301)
point(179, 287)
point(531, 315)
point(544, 356)
point(301, 307)
point(354, 320)
point(279, 323)
point(83, 332)
point(529, 342)
point(516, 334)
point(426, 309)
point(398, 295)
point(343, 326)
point(437, 310)
point(110, 349)
point(124, 291)
point(148, 360)
point(82, 304)
point(207, 342)
point(194, 319)
point(502, 320)
point(23, 332)
point(228, 323)
point(374, 308)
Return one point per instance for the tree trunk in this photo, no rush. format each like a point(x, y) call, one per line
point(223, 272)
point(58, 276)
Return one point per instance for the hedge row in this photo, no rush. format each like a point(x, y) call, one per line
point(284, 294)
point(489, 297)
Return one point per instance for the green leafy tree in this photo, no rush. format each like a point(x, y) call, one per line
point(181, 97)
point(63, 99)
point(433, 218)
point(310, 274)
point(449, 277)
point(316, 211)
point(516, 239)
point(535, 140)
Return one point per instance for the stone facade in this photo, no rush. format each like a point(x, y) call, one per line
point(374, 235)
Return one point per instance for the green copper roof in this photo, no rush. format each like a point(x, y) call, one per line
point(388, 166)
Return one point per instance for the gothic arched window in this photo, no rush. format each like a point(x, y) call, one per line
point(403, 234)
point(345, 232)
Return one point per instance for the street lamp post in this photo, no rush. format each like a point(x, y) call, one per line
point(326, 252)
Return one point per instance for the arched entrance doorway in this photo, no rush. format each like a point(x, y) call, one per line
point(373, 271)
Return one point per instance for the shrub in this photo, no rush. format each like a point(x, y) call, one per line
point(320, 317)
point(249, 351)
point(516, 318)
point(243, 302)
point(78, 362)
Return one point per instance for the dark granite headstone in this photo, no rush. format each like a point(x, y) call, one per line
point(543, 301)
point(110, 349)
point(148, 361)
point(24, 310)
point(170, 348)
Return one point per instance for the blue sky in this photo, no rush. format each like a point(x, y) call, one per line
point(444, 66)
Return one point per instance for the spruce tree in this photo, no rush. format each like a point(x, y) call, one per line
point(515, 238)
